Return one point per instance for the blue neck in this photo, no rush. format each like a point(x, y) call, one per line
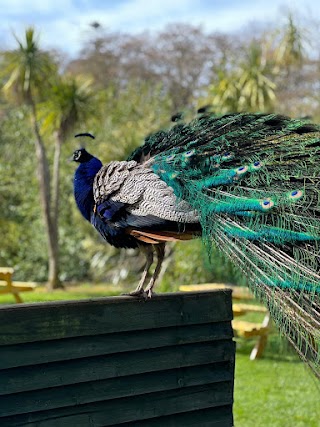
point(83, 185)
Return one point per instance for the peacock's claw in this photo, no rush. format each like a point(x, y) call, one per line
point(150, 293)
point(140, 294)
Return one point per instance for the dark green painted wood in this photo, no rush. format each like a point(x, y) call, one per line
point(140, 407)
point(213, 417)
point(115, 365)
point(88, 392)
point(116, 314)
point(118, 361)
point(79, 347)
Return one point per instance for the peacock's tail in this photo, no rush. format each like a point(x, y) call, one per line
point(255, 182)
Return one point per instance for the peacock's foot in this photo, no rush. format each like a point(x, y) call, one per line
point(138, 293)
point(150, 293)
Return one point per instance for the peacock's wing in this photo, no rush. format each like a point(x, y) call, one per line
point(254, 180)
point(132, 197)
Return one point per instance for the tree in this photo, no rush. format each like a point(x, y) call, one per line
point(257, 90)
point(247, 86)
point(181, 58)
point(71, 102)
point(29, 70)
point(297, 73)
point(224, 92)
point(289, 50)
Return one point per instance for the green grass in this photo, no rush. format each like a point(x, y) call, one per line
point(83, 291)
point(275, 391)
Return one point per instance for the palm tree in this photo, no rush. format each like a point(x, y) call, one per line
point(247, 86)
point(289, 52)
point(293, 69)
point(28, 71)
point(257, 90)
point(225, 92)
point(71, 102)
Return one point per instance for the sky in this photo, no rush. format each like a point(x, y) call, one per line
point(64, 24)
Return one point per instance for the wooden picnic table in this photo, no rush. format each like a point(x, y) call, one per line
point(8, 286)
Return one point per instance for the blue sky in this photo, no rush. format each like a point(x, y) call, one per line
point(64, 24)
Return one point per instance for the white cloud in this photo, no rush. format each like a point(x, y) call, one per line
point(64, 23)
point(21, 7)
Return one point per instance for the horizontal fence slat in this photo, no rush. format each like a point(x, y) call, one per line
point(212, 417)
point(114, 388)
point(102, 367)
point(75, 348)
point(136, 408)
point(48, 321)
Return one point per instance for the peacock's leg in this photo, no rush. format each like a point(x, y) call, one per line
point(160, 255)
point(148, 251)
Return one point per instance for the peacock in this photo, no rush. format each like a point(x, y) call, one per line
point(248, 184)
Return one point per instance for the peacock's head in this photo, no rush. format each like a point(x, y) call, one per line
point(81, 156)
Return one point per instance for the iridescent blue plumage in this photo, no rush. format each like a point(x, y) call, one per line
point(83, 185)
point(83, 192)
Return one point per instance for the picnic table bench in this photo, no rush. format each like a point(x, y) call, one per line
point(241, 328)
point(8, 286)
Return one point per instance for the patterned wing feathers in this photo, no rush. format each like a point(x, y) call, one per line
point(142, 191)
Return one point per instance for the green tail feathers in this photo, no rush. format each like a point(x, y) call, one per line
point(253, 178)
point(255, 181)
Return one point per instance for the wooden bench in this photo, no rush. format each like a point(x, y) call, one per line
point(242, 328)
point(117, 361)
point(249, 330)
point(8, 286)
point(238, 292)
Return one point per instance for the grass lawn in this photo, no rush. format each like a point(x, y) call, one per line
point(275, 391)
point(82, 291)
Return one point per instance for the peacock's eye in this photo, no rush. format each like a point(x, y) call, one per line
point(227, 156)
point(77, 155)
point(241, 170)
point(295, 194)
point(189, 153)
point(256, 165)
point(170, 157)
point(267, 204)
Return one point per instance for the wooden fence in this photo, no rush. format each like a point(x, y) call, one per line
point(118, 361)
